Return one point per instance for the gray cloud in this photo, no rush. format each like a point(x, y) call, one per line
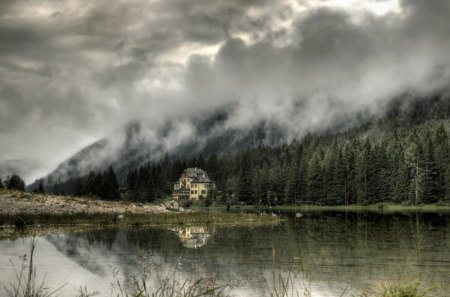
point(73, 71)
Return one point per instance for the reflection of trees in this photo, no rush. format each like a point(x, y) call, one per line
point(353, 248)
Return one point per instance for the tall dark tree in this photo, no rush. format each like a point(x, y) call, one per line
point(79, 187)
point(442, 160)
point(14, 182)
point(41, 188)
point(109, 187)
point(315, 179)
point(245, 179)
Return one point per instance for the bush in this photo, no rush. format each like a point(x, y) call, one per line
point(206, 202)
point(187, 203)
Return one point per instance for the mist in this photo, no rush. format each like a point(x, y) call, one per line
point(72, 73)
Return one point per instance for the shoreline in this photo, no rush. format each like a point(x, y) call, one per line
point(20, 211)
point(378, 207)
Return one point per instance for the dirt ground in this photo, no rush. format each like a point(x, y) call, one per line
point(13, 202)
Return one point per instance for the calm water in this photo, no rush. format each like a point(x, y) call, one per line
point(328, 253)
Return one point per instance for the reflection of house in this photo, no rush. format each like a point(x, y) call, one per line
point(194, 183)
point(193, 237)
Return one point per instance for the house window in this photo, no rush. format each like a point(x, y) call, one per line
point(192, 192)
point(203, 191)
point(195, 191)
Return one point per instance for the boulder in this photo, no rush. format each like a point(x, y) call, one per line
point(172, 205)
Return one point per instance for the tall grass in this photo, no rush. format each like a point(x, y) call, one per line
point(26, 284)
point(399, 289)
point(282, 285)
point(170, 287)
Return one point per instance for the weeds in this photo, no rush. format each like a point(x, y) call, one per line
point(406, 289)
point(26, 285)
point(282, 286)
point(170, 287)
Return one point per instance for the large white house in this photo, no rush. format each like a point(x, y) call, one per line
point(194, 183)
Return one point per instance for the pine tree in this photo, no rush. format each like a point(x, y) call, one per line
point(14, 182)
point(315, 180)
point(244, 191)
point(442, 159)
point(79, 188)
point(40, 189)
point(109, 187)
point(1, 184)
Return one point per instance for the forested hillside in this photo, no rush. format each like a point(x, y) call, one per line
point(403, 158)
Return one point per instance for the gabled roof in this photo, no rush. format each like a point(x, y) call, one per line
point(198, 175)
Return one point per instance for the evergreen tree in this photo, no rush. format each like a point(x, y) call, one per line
point(244, 191)
point(14, 182)
point(315, 180)
point(1, 184)
point(442, 160)
point(109, 187)
point(79, 188)
point(41, 189)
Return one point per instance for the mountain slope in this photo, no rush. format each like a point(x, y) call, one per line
point(138, 143)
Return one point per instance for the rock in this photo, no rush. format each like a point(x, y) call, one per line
point(120, 217)
point(172, 205)
point(298, 215)
point(181, 209)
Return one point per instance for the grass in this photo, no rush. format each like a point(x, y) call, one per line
point(281, 286)
point(399, 289)
point(214, 218)
point(51, 223)
point(26, 284)
point(385, 207)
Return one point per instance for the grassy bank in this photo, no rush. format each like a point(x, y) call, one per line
point(211, 218)
point(25, 209)
point(13, 226)
point(380, 207)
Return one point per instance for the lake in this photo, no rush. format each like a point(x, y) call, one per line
point(325, 253)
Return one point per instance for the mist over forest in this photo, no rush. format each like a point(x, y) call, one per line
point(169, 76)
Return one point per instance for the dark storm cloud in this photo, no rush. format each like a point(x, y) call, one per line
point(72, 71)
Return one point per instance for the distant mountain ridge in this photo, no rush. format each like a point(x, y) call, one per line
point(136, 144)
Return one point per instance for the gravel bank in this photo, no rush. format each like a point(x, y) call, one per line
point(13, 202)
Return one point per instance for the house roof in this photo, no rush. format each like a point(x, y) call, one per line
point(198, 175)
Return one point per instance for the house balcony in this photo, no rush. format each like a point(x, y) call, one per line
point(181, 193)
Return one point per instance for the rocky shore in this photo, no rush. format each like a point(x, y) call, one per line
point(26, 203)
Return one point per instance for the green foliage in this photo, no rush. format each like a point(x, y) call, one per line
point(187, 203)
point(405, 164)
point(409, 289)
point(403, 158)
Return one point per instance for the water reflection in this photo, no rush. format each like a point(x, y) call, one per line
point(193, 237)
point(327, 253)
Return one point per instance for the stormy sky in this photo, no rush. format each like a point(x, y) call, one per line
point(72, 72)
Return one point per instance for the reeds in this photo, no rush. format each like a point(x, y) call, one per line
point(26, 284)
point(215, 218)
point(282, 285)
